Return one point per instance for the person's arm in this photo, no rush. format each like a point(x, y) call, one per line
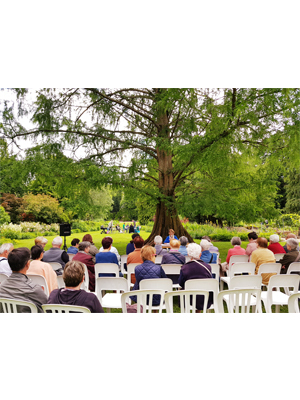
point(181, 279)
point(167, 239)
point(37, 296)
point(162, 273)
point(228, 256)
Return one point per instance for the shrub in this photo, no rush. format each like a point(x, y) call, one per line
point(289, 220)
point(4, 216)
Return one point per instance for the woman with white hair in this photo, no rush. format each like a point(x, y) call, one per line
point(274, 245)
point(196, 269)
point(291, 256)
point(158, 247)
point(207, 256)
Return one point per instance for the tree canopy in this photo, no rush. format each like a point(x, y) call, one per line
point(176, 146)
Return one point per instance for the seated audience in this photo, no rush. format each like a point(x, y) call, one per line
point(73, 277)
point(158, 247)
point(130, 246)
point(148, 270)
point(73, 249)
point(93, 249)
point(252, 245)
point(5, 249)
point(173, 257)
point(113, 250)
point(38, 267)
point(18, 286)
point(183, 243)
point(235, 251)
point(171, 236)
point(291, 256)
point(212, 247)
point(55, 254)
point(274, 245)
point(206, 255)
point(135, 256)
point(290, 236)
point(107, 256)
point(40, 240)
point(196, 269)
point(262, 255)
point(131, 229)
point(84, 256)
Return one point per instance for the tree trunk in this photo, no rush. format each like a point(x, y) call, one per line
point(165, 220)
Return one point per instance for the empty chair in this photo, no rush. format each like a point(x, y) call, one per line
point(276, 297)
point(111, 300)
point(159, 283)
point(3, 278)
point(185, 299)
point(238, 258)
point(123, 261)
point(239, 300)
point(211, 285)
point(130, 271)
point(279, 256)
point(245, 282)
point(105, 268)
point(237, 268)
point(268, 268)
point(293, 267)
point(172, 269)
point(55, 265)
point(39, 280)
point(293, 303)
point(215, 270)
point(64, 308)
point(17, 306)
point(141, 296)
point(71, 255)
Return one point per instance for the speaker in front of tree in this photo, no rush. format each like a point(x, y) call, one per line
point(64, 230)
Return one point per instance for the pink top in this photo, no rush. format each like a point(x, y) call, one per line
point(235, 251)
point(250, 248)
point(41, 268)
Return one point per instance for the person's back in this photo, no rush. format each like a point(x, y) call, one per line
point(106, 257)
point(56, 254)
point(72, 250)
point(41, 268)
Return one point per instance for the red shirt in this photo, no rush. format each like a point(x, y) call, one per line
point(276, 248)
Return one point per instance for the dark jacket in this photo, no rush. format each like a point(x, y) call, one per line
point(148, 270)
point(56, 255)
point(129, 248)
point(287, 259)
point(173, 257)
point(193, 270)
point(88, 261)
point(76, 298)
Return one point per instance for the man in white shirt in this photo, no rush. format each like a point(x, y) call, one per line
point(5, 249)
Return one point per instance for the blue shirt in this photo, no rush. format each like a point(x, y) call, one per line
point(206, 257)
point(183, 250)
point(168, 239)
point(72, 250)
point(107, 257)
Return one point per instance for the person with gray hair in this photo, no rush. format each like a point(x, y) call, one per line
point(55, 254)
point(183, 243)
point(196, 269)
point(292, 255)
point(5, 249)
point(289, 236)
point(158, 247)
point(274, 245)
point(237, 250)
point(212, 247)
point(207, 256)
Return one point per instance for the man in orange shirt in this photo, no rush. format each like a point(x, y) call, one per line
point(135, 256)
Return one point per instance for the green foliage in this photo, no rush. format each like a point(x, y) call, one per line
point(44, 208)
point(13, 205)
point(292, 191)
point(4, 216)
point(289, 220)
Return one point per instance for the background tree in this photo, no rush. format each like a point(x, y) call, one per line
point(4, 216)
point(44, 208)
point(171, 134)
point(292, 180)
point(13, 205)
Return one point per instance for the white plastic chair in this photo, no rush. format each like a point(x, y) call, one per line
point(3, 278)
point(237, 268)
point(172, 269)
point(215, 269)
point(39, 280)
point(211, 285)
point(158, 259)
point(268, 268)
point(159, 283)
point(142, 300)
point(276, 297)
point(293, 303)
point(71, 256)
point(238, 258)
point(60, 282)
point(279, 256)
point(111, 300)
point(11, 305)
point(239, 298)
point(105, 268)
point(55, 265)
point(184, 295)
point(130, 271)
point(187, 259)
point(293, 267)
point(64, 308)
point(123, 261)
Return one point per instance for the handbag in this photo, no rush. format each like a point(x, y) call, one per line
point(132, 308)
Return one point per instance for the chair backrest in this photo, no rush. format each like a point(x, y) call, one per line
point(171, 269)
point(245, 281)
point(269, 268)
point(293, 303)
point(3, 277)
point(60, 281)
point(241, 267)
point(11, 306)
point(185, 295)
point(123, 261)
point(130, 271)
point(293, 267)
point(64, 308)
point(211, 285)
point(39, 280)
point(239, 298)
point(84, 285)
point(106, 268)
point(215, 269)
point(118, 284)
point(279, 256)
point(55, 265)
point(71, 255)
point(238, 258)
point(141, 296)
point(159, 283)
point(282, 281)
point(158, 259)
